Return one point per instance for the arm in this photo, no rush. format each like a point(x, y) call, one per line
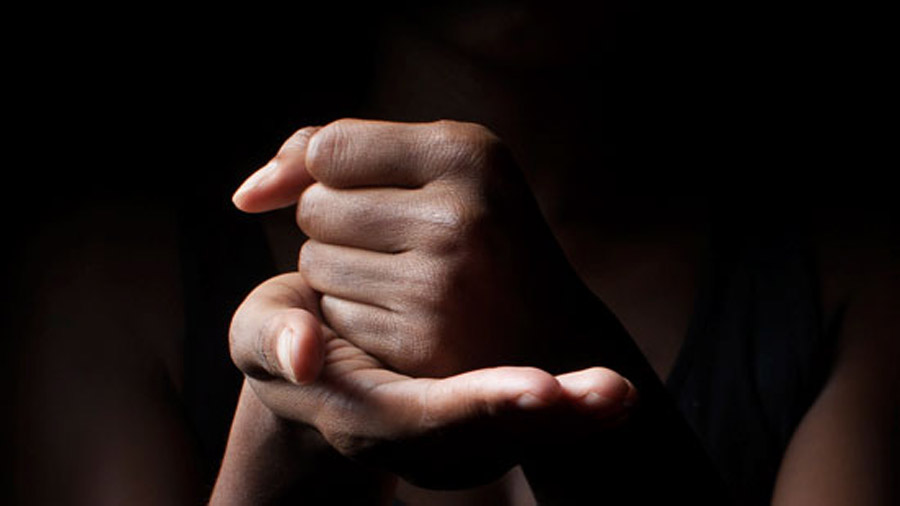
point(270, 460)
point(450, 432)
point(845, 449)
point(451, 247)
point(100, 417)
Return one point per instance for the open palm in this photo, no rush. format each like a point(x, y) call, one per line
point(436, 432)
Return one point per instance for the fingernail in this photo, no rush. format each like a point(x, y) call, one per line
point(530, 401)
point(256, 178)
point(594, 400)
point(284, 346)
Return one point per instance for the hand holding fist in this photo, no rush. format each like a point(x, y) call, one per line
point(428, 286)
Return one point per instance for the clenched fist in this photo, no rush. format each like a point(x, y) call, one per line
point(428, 248)
point(432, 261)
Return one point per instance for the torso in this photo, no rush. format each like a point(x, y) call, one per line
point(648, 276)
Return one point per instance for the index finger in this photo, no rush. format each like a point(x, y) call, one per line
point(280, 182)
point(352, 153)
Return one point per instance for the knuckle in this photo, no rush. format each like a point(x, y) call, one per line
point(326, 147)
point(466, 145)
point(299, 140)
point(310, 212)
point(349, 443)
point(306, 264)
point(453, 220)
point(322, 270)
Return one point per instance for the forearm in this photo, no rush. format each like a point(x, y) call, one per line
point(269, 462)
point(654, 455)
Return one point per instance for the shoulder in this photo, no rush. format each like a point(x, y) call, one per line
point(841, 453)
point(100, 356)
point(105, 278)
point(858, 257)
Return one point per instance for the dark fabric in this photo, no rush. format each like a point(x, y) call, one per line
point(756, 354)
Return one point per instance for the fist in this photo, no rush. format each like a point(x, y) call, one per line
point(427, 246)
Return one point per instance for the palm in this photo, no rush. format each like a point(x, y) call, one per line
point(451, 432)
point(395, 421)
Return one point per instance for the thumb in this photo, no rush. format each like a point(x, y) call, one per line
point(275, 331)
point(280, 182)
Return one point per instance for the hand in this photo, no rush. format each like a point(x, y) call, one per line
point(428, 248)
point(439, 433)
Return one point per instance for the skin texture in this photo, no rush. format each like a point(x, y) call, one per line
point(345, 271)
point(427, 230)
point(462, 163)
point(428, 323)
point(370, 413)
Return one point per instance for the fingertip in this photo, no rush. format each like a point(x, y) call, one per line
point(299, 348)
point(309, 350)
point(247, 195)
point(598, 389)
point(530, 388)
point(277, 185)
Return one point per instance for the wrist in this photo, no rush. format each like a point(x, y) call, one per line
point(271, 460)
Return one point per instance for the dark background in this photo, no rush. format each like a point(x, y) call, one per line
point(172, 108)
point(788, 100)
point(774, 107)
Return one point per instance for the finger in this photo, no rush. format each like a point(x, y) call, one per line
point(356, 153)
point(373, 329)
point(354, 274)
point(275, 332)
point(377, 219)
point(394, 341)
point(598, 389)
point(281, 181)
point(488, 392)
point(487, 413)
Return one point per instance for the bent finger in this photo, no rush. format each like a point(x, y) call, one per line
point(354, 274)
point(280, 182)
point(379, 219)
point(276, 331)
point(353, 153)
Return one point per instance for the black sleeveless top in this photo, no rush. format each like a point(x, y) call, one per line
point(756, 354)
